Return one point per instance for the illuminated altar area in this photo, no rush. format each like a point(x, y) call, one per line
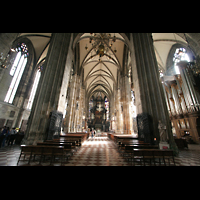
point(99, 114)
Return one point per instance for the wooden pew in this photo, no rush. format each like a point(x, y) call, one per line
point(68, 148)
point(131, 141)
point(123, 136)
point(152, 155)
point(139, 146)
point(121, 144)
point(116, 137)
point(42, 151)
point(127, 150)
point(81, 136)
point(74, 141)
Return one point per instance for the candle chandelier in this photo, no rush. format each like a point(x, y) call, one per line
point(102, 43)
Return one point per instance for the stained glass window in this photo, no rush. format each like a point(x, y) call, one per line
point(34, 88)
point(133, 104)
point(90, 107)
point(17, 70)
point(107, 108)
point(180, 54)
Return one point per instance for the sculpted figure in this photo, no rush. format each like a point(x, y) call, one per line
point(162, 131)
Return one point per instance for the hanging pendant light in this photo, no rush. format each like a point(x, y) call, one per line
point(100, 50)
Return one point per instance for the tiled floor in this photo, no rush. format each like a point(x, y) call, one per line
point(189, 157)
point(9, 155)
point(99, 151)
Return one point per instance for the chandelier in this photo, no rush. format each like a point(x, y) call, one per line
point(101, 43)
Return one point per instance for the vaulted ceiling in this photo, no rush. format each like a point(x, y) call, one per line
point(100, 73)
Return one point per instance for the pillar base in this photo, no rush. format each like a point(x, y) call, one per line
point(145, 129)
point(163, 145)
point(55, 125)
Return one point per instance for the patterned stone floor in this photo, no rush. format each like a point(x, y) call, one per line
point(99, 151)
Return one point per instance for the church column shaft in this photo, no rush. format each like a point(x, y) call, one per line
point(48, 93)
point(71, 104)
point(150, 92)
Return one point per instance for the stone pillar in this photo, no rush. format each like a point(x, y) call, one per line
point(119, 116)
point(148, 89)
point(126, 99)
point(71, 127)
point(48, 92)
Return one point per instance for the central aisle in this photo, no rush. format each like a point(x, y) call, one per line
point(98, 151)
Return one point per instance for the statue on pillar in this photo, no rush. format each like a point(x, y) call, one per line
point(162, 131)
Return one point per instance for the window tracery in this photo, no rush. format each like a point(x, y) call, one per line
point(107, 108)
point(17, 70)
point(34, 88)
point(179, 55)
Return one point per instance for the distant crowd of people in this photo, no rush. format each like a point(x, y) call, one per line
point(10, 137)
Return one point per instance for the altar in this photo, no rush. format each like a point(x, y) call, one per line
point(98, 119)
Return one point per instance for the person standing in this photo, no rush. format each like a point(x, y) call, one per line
point(3, 137)
point(12, 136)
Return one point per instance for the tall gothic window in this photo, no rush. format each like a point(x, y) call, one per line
point(107, 108)
point(90, 107)
point(133, 104)
point(34, 88)
point(180, 54)
point(16, 71)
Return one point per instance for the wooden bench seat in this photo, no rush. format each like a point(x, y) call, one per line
point(152, 155)
point(42, 151)
point(140, 146)
point(75, 141)
point(82, 136)
point(131, 142)
point(68, 147)
point(125, 148)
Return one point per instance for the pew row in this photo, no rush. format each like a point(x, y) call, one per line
point(42, 151)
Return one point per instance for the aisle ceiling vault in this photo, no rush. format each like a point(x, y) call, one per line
point(40, 43)
point(163, 42)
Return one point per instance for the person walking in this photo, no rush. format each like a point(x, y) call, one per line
point(92, 133)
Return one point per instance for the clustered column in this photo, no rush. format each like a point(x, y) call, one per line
point(48, 94)
point(150, 91)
